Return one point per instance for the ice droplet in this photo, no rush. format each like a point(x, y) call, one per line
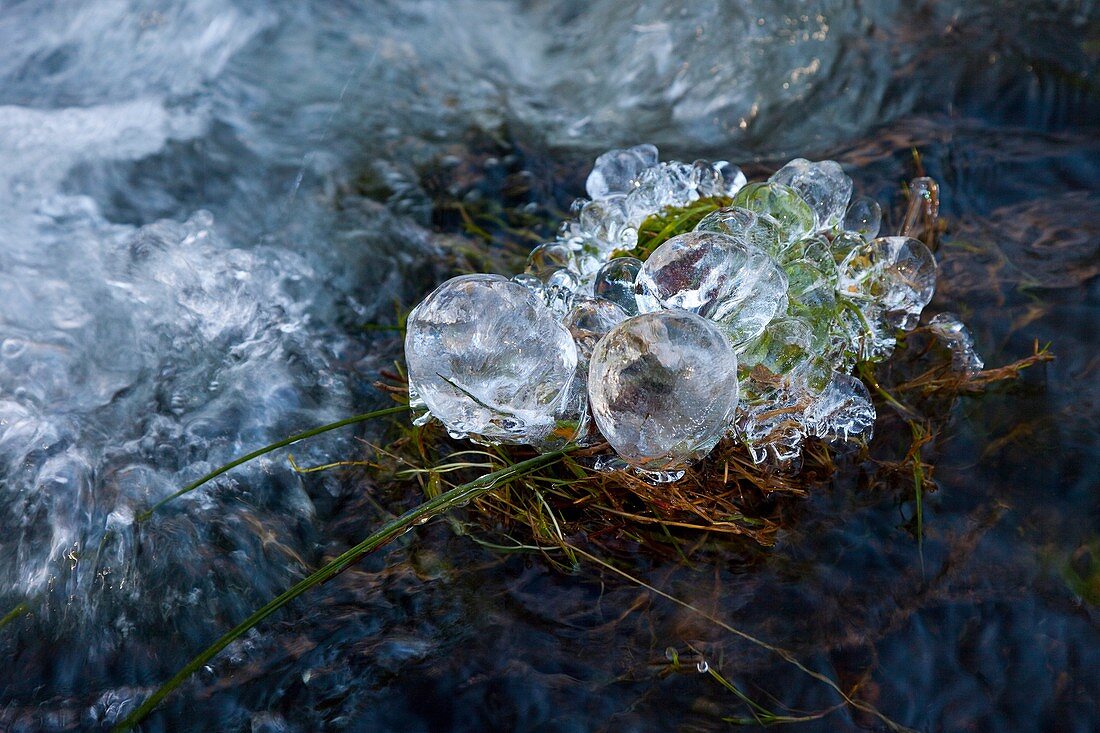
point(863, 218)
point(615, 282)
point(733, 179)
point(605, 224)
point(548, 258)
point(949, 329)
point(822, 185)
point(618, 171)
point(588, 321)
point(924, 206)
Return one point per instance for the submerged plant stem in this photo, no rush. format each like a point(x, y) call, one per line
point(918, 487)
point(13, 614)
point(274, 446)
point(780, 652)
point(418, 515)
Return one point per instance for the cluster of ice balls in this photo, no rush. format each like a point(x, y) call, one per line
point(749, 326)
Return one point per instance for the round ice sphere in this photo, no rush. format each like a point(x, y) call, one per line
point(795, 217)
point(718, 277)
point(488, 359)
point(899, 273)
point(532, 283)
point(617, 171)
point(663, 388)
point(823, 185)
point(761, 231)
point(615, 282)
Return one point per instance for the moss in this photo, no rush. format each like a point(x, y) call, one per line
point(659, 228)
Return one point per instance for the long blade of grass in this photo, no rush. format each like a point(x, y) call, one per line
point(780, 652)
point(396, 527)
point(13, 614)
point(354, 419)
point(918, 488)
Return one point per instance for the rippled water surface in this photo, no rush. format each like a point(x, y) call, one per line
point(202, 204)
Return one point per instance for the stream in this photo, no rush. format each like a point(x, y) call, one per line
point(206, 205)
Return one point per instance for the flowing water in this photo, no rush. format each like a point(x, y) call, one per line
point(201, 205)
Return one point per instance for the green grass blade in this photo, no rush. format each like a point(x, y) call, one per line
point(415, 516)
point(13, 614)
point(274, 446)
point(918, 490)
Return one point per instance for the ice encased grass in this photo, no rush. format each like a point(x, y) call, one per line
point(747, 325)
point(823, 186)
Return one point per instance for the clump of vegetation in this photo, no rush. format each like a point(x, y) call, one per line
point(673, 221)
point(726, 499)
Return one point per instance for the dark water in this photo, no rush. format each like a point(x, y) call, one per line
point(201, 204)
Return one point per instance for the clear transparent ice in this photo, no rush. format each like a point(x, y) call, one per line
point(489, 359)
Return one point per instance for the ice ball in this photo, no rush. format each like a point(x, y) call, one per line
point(896, 273)
point(718, 277)
point(663, 388)
point(823, 185)
point(489, 359)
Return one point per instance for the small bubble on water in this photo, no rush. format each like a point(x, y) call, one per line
point(12, 347)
